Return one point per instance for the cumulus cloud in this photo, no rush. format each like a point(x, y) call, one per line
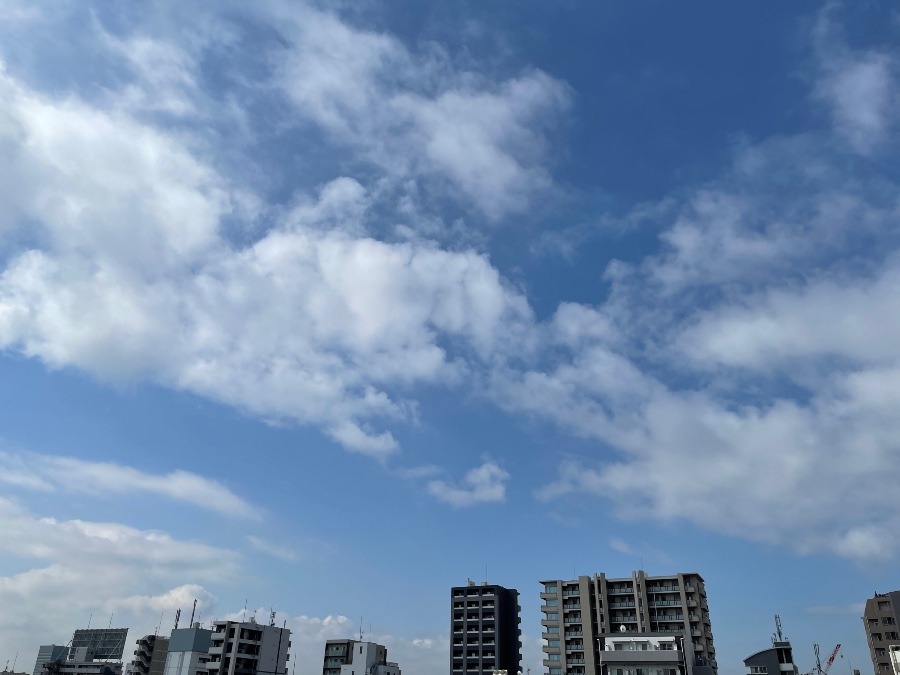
point(486, 483)
point(306, 325)
point(49, 472)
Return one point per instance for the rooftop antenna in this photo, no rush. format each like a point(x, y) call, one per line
point(160, 623)
point(360, 629)
point(778, 628)
point(271, 616)
point(90, 618)
point(14, 661)
point(244, 615)
point(193, 610)
point(110, 620)
point(177, 617)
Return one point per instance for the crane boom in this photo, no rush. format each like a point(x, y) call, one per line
point(828, 663)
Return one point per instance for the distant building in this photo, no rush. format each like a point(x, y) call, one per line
point(11, 672)
point(579, 612)
point(356, 657)
point(188, 652)
point(49, 653)
point(880, 621)
point(248, 648)
point(627, 653)
point(484, 625)
point(777, 660)
point(150, 655)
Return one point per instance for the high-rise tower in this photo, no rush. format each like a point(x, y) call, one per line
point(484, 629)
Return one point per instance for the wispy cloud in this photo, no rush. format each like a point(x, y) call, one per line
point(67, 474)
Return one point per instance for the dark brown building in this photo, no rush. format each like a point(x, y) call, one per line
point(880, 621)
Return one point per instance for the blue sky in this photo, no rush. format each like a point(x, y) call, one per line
point(329, 307)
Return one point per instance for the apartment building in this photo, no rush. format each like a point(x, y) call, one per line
point(880, 621)
point(484, 629)
point(248, 648)
point(626, 653)
point(150, 655)
point(578, 614)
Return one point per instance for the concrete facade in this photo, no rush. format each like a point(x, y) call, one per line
point(484, 629)
point(579, 612)
point(248, 648)
point(150, 655)
point(625, 653)
point(880, 621)
point(356, 657)
point(188, 652)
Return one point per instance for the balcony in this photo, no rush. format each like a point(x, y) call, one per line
point(621, 605)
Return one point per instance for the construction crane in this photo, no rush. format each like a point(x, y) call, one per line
point(819, 670)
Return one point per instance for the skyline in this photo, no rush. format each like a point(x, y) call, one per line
point(326, 307)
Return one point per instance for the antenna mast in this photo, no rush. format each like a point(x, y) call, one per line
point(192, 613)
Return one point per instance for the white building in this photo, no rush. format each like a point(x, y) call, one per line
point(365, 661)
point(630, 653)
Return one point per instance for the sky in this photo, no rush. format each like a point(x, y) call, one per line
point(324, 308)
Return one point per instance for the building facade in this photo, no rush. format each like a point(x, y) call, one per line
point(880, 621)
point(356, 657)
point(188, 652)
point(248, 648)
point(47, 653)
point(484, 629)
point(579, 613)
point(150, 655)
point(626, 653)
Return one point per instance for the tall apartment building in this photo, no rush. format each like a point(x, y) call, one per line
point(355, 657)
point(484, 629)
point(248, 648)
point(880, 620)
point(188, 651)
point(579, 613)
point(150, 655)
point(48, 653)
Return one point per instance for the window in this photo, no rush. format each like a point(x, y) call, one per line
point(887, 621)
point(553, 629)
point(553, 643)
point(552, 602)
point(876, 637)
point(553, 657)
point(556, 671)
point(552, 616)
point(549, 588)
point(758, 670)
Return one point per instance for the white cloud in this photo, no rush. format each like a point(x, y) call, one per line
point(274, 550)
point(486, 483)
point(417, 115)
point(84, 567)
point(860, 87)
point(131, 277)
point(46, 472)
